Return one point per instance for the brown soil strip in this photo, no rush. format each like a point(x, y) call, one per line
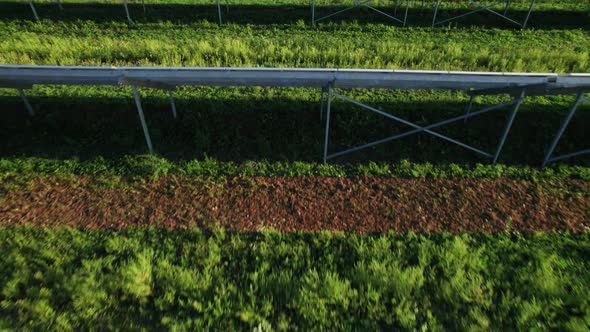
point(304, 203)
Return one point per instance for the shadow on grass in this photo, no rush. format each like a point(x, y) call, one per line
point(276, 129)
point(286, 14)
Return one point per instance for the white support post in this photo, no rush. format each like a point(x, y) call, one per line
point(508, 2)
point(322, 94)
point(170, 93)
point(528, 15)
point(469, 107)
point(435, 12)
point(219, 11)
point(26, 102)
point(312, 12)
point(508, 126)
point(327, 132)
point(406, 14)
point(146, 133)
point(34, 10)
point(127, 12)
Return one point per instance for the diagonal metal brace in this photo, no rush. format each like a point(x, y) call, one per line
point(427, 129)
point(146, 132)
point(358, 4)
point(28, 106)
point(487, 8)
point(34, 10)
point(548, 157)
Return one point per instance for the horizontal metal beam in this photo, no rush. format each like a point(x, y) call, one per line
point(21, 75)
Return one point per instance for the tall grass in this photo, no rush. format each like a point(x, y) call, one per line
point(152, 280)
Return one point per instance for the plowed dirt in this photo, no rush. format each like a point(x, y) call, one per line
point(360, 205)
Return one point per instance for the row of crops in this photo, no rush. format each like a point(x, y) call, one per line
point(235, 224)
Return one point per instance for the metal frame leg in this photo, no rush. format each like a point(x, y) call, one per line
point(327, 132)
point(548, 159)
point(34, 10)
point(322, 94)
point(26, 102)
point(143, 5)
point(508, 126)
point(471, 100)
point(127, 12)
point(508, 2)
point(426, 129)
point(172, 104)
point(146, 133)
point(528, 15)
point(59, 5)
point(406, 14)
point(435, 12)
point(219, 11)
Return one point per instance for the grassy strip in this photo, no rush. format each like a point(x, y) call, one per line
point(171, 38)
point(143, 279)
point(344, 46)
point(153, 167)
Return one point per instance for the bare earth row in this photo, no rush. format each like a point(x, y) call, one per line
point(360, 205)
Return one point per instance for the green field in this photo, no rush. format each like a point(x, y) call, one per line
point(61, 278)
point(143, 279)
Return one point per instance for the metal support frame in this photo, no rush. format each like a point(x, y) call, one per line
point(134, 83)
point(363, 3)
point(35, 10)
point(549, 156)
point(146, 133)
point(488, 8)
point(127, 12)
point(322, 101)
point(515, 103)
point(28, 106)
point(172, 104)
point(219, 11)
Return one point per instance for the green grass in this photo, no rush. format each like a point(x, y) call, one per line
point(346, 45)
point(150, 166)
point(66, 279)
